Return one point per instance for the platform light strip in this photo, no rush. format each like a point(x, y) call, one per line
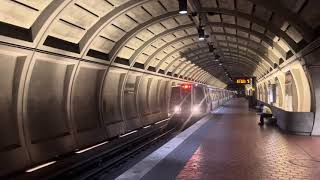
point(123, 135)
point(146, 127)
point(92, 147)
point(161, 121)
point(40, 166)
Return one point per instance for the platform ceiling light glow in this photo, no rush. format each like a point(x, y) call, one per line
point(183, 6)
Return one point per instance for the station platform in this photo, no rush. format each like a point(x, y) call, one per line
point(228, 144)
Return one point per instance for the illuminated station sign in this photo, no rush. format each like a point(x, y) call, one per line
point(242, 80)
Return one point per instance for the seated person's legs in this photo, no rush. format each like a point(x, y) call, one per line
point(266, 112)
point(262, 116)
point(261, 119)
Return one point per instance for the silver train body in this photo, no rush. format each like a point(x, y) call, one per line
point(189, 101)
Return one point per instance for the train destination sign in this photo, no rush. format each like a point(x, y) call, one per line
point(242, 80)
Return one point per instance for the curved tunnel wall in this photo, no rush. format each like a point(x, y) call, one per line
point(57, 57)
point(52, 104)
point(301, 102)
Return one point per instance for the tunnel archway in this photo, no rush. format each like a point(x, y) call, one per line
point(265, 93)
point(114, 62)
point(291, 95)
point(279, 95)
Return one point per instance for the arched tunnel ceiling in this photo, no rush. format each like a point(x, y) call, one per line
point(250, 36)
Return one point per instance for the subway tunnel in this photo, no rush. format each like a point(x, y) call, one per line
point(78, 74)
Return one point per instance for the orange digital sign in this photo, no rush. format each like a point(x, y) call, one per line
point(242, 80)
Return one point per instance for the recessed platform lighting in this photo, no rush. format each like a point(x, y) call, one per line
point(123, 135)
point(89, 148)
point(40, 166)
point(146, 127)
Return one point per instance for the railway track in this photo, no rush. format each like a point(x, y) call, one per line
point(95, 167)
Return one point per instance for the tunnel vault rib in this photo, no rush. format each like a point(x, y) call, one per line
point(244, 68)
point(203, 62)
point(248, 54)
point(291, 17)
point(192, 36)
point(53, 12)
point(232, 61)
point(136, 30)
point(168, 55)
point(209, 55)
point(207, 59)
point(268, 61)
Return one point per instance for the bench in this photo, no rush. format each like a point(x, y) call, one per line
point(292, 122)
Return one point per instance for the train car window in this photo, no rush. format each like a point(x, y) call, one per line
point(198, 95)
point(185, 106)
point(207, 95)
point(175, 96)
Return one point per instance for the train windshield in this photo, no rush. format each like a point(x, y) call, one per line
point(175, 96)
point(178, 94)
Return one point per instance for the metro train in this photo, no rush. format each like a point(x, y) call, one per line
point(189, 101)
point(158, 100)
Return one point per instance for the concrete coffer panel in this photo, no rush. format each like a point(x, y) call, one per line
point(111, 103)
point(129, 101)
point(152, 101)
point(142, 99)
point(85, 106)
point(13, 153)
point(47, 123)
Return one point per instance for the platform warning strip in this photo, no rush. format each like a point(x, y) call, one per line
point(146, 165)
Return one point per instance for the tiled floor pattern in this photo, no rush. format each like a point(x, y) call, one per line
point(236, 148)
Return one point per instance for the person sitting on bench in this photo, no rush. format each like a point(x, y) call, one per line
point(259, 108)
point(266, 113)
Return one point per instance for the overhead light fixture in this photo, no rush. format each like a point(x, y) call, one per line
point(220, 64)
point(201, 33)
point(183, 6)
